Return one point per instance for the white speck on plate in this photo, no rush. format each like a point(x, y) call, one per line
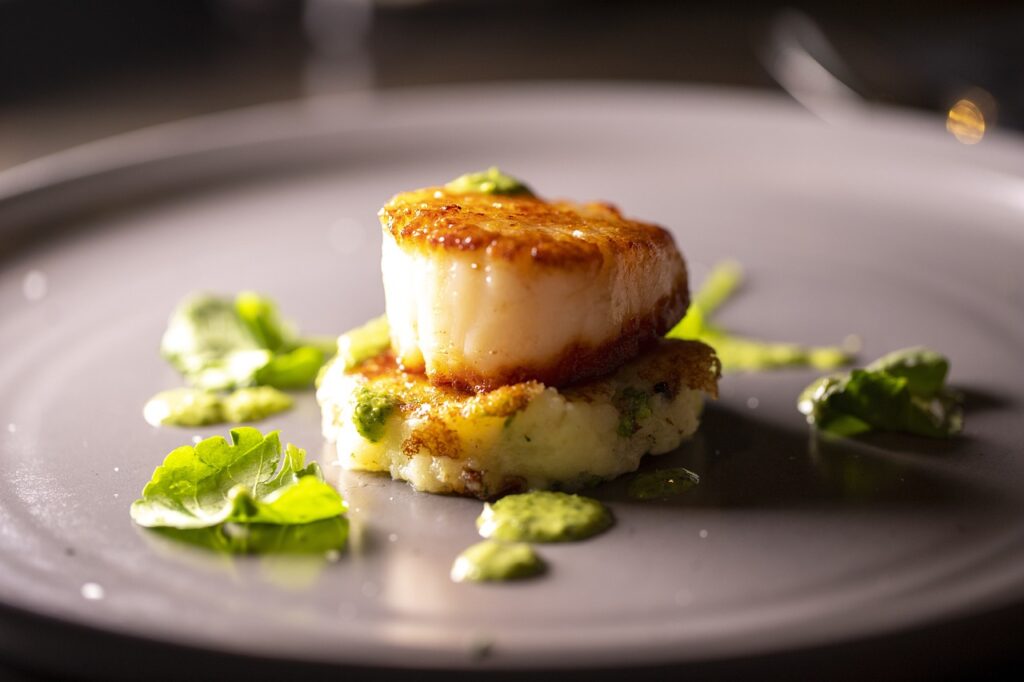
point(752, 402)
point(11, 428)
point(34, 286)
point(703, 533)
point(196, 439)
point(92, 591)
point(117, 469)
point(393, 537)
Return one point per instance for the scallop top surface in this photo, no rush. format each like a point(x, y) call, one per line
point(518, 227)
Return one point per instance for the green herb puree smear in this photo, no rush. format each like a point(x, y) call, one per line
point(196, 407)
point(662, 484)
point(490, 181)
point(254, 404)
point(543, 516)
point(902, 391)
point(363, 343)
point(741, 353)
point(491, 560)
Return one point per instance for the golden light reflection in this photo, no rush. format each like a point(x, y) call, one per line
point(966, 122)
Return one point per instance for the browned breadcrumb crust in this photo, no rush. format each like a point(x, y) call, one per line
point(557, 233)
point(415, 392)
point(671, 365)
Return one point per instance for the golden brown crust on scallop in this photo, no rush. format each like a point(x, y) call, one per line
point(581, 362)
point(556, 233)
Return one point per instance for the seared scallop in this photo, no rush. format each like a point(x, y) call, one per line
point(519, 436)
point(486, 290)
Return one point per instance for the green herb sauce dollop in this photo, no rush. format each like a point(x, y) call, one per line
point(492, 560)
point(371, 413)
point(196, 407)
point(490, 181)
point(543, 516)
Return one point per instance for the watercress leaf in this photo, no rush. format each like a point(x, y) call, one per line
point(208, 342)
point(878, 398)
point(205, 325)
point(260, 316)
point(924, 369)
point(305, 500)
point(328, 345)
point(244, 480)
point(903, 391)
point(844, 425)
point(260, 538)
point(293, 369)
point(224, 372)
point(938, 417)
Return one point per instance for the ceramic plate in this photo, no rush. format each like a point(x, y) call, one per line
point(886, 228)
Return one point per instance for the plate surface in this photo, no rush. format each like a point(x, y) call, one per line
point(887, 229)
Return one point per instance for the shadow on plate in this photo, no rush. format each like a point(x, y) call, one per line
point(747, 463)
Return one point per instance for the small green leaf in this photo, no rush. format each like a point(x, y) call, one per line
point(903, 391)
point(246, 480)
point(259, 538)
point(292, 370)
point(209, 343)
point(924, 369)
point(260, 316)
point(219, 344)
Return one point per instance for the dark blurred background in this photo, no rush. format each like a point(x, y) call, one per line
point(74, 70)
